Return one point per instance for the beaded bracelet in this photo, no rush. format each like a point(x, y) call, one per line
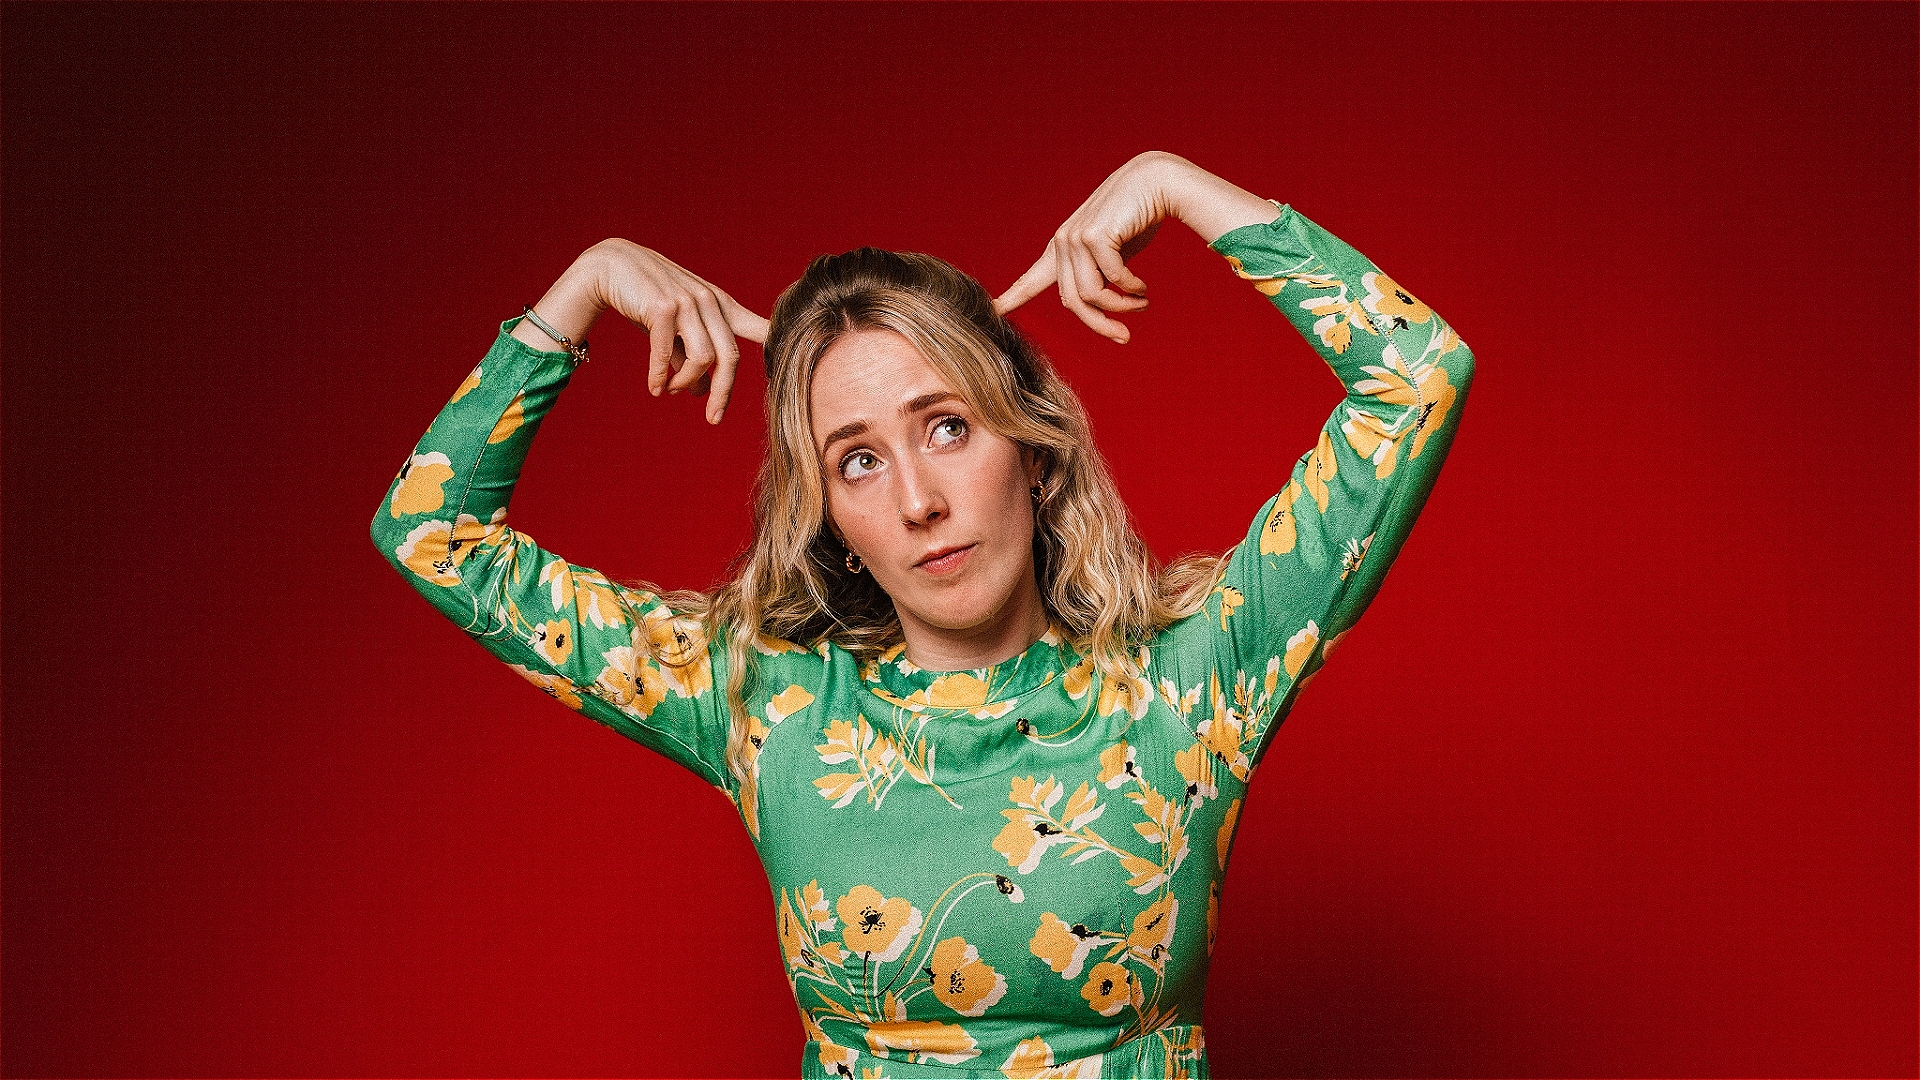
point(577, 351)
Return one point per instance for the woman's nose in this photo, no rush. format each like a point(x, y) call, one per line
point(921, 499)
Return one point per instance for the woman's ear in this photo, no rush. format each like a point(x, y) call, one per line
point(1038, 464)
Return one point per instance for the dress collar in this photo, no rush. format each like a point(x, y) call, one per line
point(987, 693)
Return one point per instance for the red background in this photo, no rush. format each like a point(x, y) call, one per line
point(1616, 779)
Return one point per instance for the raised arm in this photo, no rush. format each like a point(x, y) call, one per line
point(1317, 552)
point(618, 655)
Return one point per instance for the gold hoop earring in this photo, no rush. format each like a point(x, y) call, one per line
point(1039, 494)
point(854, 565)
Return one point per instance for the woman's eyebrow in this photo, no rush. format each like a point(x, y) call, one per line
point(859, 427)
point(925, 400)
point(844, 431)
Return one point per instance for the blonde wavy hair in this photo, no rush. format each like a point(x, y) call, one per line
point(1100, 584)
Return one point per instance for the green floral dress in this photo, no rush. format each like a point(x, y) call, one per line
point(1013, 871)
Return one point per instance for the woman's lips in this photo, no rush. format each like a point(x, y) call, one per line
point(945, 561)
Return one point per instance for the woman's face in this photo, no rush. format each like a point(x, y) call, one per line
point(935, 504)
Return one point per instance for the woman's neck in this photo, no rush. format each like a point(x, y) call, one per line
point(1004, 636)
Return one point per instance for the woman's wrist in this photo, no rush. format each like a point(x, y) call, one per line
point(571, 306)
point(1208, 205)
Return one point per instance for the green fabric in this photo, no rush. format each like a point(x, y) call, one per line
point(1013, 870)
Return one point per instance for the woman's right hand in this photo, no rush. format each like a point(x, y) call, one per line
point(690, 323)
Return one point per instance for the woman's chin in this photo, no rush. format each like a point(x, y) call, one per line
point(966, 612)
point(968, 621)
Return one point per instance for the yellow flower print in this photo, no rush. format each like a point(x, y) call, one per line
point(773, 646)
point(680, 645)
point(922, 1039)
point(801, 917)
point(1027, 1059)
point(1300, 647)
point(630, 682)
point(743, 759)
point(1386, 299)
point(1353, 555)
point(1040, 796)
point(897, 656)
point(1223, 731)
point(1025, 838)
point(1421, 384)
point(795, 943)
point(815, 903)
point(1321, 468)
point(1326, 653)
point(510, 420)
point(880, 760)
point(1153, 929)
point(1032, 828)
point(588, 590)
point(875, 927)
point(1110, 988)
point(874, 754)
point(434, 550)
point(787, 702)
point(1127, 693)
point(1335, 314)
point(839, 788)
point(1117, 766)
point(1373, 439)
point(1267, 285)
point(745, 762)
point(560, 689)
point(472, 380)
point(962, 981)
point(1277, 536)
point(676, 641)
point(1163, 827)
point(420, 480)
point(1033, 1060)
point(964, 690)
point(838, 1060)
point(1078, 679)
point(1230, 598)
point(960, 690)
point(1196, 767)
point(1065, 947)
point(553, 640)
point(1178, 702)
point(1224, 841)
point(1433, 415)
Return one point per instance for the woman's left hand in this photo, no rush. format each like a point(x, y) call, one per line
point(1090, 250)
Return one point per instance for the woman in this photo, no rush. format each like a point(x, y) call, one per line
point(990, 755)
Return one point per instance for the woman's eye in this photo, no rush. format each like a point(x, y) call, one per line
point(950, 429)
point(858, 464)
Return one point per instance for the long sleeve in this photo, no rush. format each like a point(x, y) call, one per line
point(1317, 552)
point(616, 654)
